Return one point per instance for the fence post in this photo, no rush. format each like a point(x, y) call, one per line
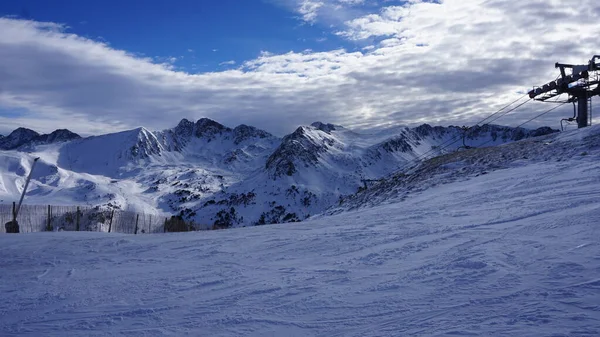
point(77, 219)
point(165, 226)
point(112, 213)
point(48, 228)
point(137, 219)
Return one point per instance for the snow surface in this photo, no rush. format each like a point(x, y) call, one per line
point(512, 252)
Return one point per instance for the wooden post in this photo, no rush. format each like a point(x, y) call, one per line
point(137, 219)
point(77, 219)
point(112, 214)
point(165, 226)
point(48, 228)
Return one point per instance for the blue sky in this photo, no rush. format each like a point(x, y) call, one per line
point(105, 66)
point(196, 36)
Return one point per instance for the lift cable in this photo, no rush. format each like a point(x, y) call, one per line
point(534, 118)
point(491, 118)
point(518, 126)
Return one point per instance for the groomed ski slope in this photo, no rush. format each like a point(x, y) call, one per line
point(514, 252)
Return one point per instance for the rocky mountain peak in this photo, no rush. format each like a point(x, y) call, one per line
point(23, 133)
point(326, 127)
point(426, 130)
point(145, 145)
point(185, 128)
point(60, 135)
point(23, 137)
point(243, 132)
point(298, 148)
point(264, 178)
point(17, 138)
point(207, 128)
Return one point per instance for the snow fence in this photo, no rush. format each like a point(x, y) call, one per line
point(39, 218)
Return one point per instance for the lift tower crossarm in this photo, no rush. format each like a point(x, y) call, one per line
point(581, 85)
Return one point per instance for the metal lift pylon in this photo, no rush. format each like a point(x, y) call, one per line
point(580, 82)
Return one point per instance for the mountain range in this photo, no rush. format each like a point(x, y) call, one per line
point(23, 137)
point(219, 176)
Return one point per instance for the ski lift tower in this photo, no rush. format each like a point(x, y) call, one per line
point(580, 82)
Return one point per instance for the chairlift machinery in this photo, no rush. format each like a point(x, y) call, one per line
point(580, 82)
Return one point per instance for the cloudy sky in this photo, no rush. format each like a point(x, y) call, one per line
point(103, 66)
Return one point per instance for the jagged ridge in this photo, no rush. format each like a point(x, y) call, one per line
point(226, 176)
point(26, 137)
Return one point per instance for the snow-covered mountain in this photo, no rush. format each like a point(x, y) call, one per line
point(23, 137)
point(501, 241)
point(462, 166)
point(221, 176)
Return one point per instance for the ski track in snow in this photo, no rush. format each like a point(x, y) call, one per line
point(454, 260)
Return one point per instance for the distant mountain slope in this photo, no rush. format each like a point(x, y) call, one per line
point(463, 165)
point(108, 154)
point(315, 166)
point(222, 176)
point(23, 137)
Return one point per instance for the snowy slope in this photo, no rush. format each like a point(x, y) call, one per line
point(216, 175)
point(317, 165)
point(511, 252)
point(464, 165)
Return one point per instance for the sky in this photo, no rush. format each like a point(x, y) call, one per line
point(103, 66)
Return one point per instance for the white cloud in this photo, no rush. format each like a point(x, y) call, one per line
point(453, 62)
point(350, 2)
point(328, 12)
point(227, 63)
point(309, 9)
point(387, 23)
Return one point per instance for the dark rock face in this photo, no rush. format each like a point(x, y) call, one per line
point(296, 149)
point(146, 145)
point(323, 127)
point(185, 128)
point(210, 130)
point(178, 136)
point(24, 137)
point(507, 133)
point(423, 130)
point(427, 130)
point(207, 128)
point(397, 144)
point(544, 130)
point(60, 135)
point(19, 137)
point(244, 132)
